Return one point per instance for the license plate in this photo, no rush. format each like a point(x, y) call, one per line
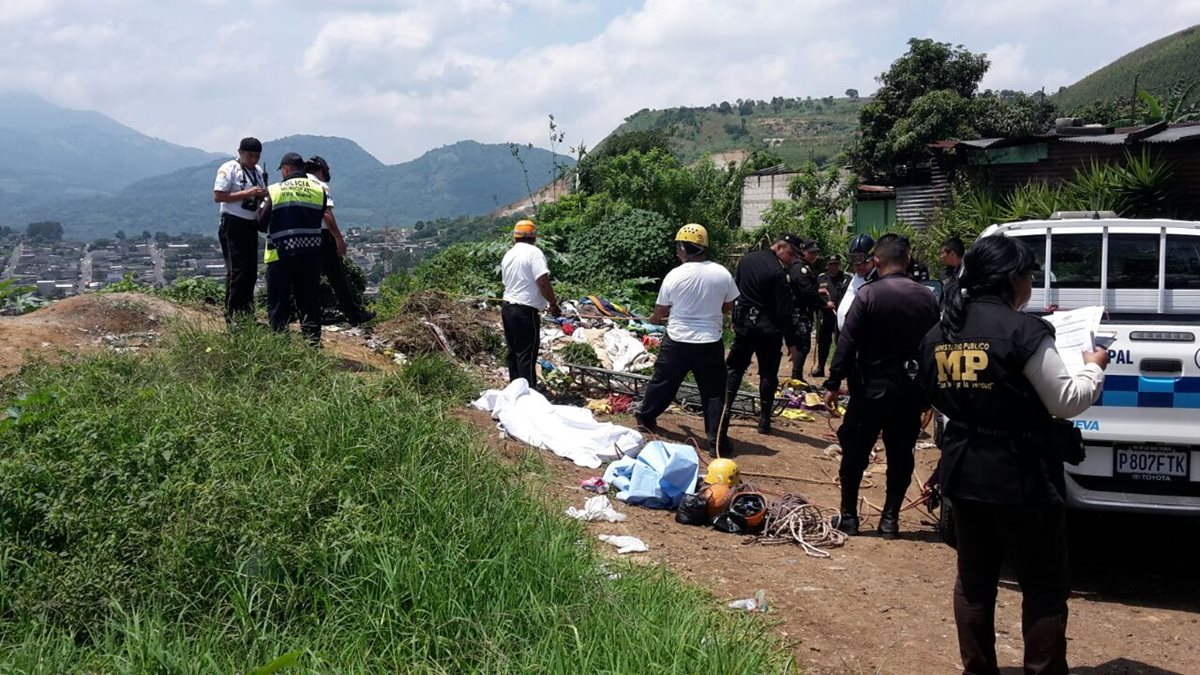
point(1151, 463)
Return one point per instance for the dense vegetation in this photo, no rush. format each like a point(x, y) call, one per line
point(233, 499)
point(1158, 66)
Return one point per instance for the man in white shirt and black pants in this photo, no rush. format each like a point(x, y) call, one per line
point(240, 188)
point(527, 290)
point(697, 295)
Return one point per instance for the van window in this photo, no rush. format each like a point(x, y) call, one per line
point(1183, 262)
point(1075, 260)
point(1036, 244)
point(1132, 261)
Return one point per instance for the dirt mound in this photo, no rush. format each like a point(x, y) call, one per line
point(431, 321)
point(122, 321)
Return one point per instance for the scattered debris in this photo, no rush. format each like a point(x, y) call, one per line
point(594, 509)
point(624, 543)
point(756, 604)
point(594, 484)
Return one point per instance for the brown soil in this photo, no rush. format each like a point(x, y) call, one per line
point(876, 606)
point(89, 322)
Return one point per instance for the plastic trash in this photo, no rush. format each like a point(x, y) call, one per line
point(596, 508)
point(594, 484)
point(624, 543)
point(756, 604)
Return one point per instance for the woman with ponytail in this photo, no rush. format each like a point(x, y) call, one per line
point(996, 374)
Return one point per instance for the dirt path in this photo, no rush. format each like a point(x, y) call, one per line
point(885, 607)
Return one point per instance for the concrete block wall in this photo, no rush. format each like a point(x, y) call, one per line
point(757, 194)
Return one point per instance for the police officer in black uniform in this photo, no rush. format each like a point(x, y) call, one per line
point(762, 322)
point(807, 299)
point(876, 354)
point(834, 282)
point(997, 375)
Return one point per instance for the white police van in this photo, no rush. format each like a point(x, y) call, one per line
point(1143, 435)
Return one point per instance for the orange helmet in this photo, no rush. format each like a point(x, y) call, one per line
point(717, 498)
point(524, 228)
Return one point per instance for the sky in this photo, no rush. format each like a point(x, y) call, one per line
point(401, 78)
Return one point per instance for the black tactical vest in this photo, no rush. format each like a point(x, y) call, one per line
point(996, 447)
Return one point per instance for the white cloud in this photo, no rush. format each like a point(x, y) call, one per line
point(365, 40)
point(13, 12)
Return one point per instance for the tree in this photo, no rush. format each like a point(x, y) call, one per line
point(120, 235)
point(852, 94)
point(927, 67)
point(45, 230)
point(725, 108)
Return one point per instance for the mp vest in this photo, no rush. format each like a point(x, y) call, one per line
point(996, 446)
point(297, 211)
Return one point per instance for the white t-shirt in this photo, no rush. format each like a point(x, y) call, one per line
point(856, 282)
point(695, 292)
point(328, 197)
point(233, 177)
point(519, 270)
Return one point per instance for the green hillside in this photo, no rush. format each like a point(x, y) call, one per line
point(796, 129)
point(1158, 65)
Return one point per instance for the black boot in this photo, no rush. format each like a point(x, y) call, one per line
point(847, 520)
point(889, 520)
point(764, 419)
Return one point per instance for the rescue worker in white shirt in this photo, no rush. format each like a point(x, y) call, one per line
point(240, 188)
point(995, 372)
point(527, 291)
point(333, 249)
point(862, 263)
point(696, 295)
point(292, 213)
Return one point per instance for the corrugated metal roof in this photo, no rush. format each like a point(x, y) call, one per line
point(772, 170)
point(1176, 134)
point(1101, 139)
point(982, 142)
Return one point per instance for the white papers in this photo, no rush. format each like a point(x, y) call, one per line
point(1075, 333)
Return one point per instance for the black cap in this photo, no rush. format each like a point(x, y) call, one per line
point(810, 245)
point(792, 240)
point(316, 162)
point(833, 258)
point(250, 144)
point(293, 160)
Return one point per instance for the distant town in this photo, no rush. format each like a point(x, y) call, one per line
point(53, 268)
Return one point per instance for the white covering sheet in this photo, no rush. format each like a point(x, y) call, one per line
point(567, 431)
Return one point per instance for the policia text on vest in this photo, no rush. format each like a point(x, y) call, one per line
point(293, 215)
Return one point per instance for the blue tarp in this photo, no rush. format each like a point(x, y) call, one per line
point(658, 477)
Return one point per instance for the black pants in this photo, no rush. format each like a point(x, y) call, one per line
point(335, 273)
point(827, 335)
point(767, 349)
point(675, 360)
point(803, 347)
point(295, 279)
point(899, 418)
point(522, 334)
point(239, 247)
point(1034, 542)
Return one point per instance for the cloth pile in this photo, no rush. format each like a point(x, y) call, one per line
point(658, 477)
point(567, 431)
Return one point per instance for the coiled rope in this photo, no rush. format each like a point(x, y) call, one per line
point(791, 519)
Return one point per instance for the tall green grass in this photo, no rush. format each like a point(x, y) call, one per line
point(234, 499)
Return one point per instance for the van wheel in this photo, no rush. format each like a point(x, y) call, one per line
point(946, 524)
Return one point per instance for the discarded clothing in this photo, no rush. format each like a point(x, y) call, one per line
point(626, 352)
point(594, 484)
point(797, 415)
point(658, 478)
point(565, 430)
point(624, 543)
point(596, 508)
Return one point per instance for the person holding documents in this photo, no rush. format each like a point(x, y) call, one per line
point(996, 373)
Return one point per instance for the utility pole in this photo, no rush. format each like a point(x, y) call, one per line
point(1133, 101)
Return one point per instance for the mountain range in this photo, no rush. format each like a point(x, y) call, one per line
point(1156, 67)
point(97, 176)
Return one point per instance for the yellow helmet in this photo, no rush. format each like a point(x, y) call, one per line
point(693, 234)
point(524, 228)
point(722, 471)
